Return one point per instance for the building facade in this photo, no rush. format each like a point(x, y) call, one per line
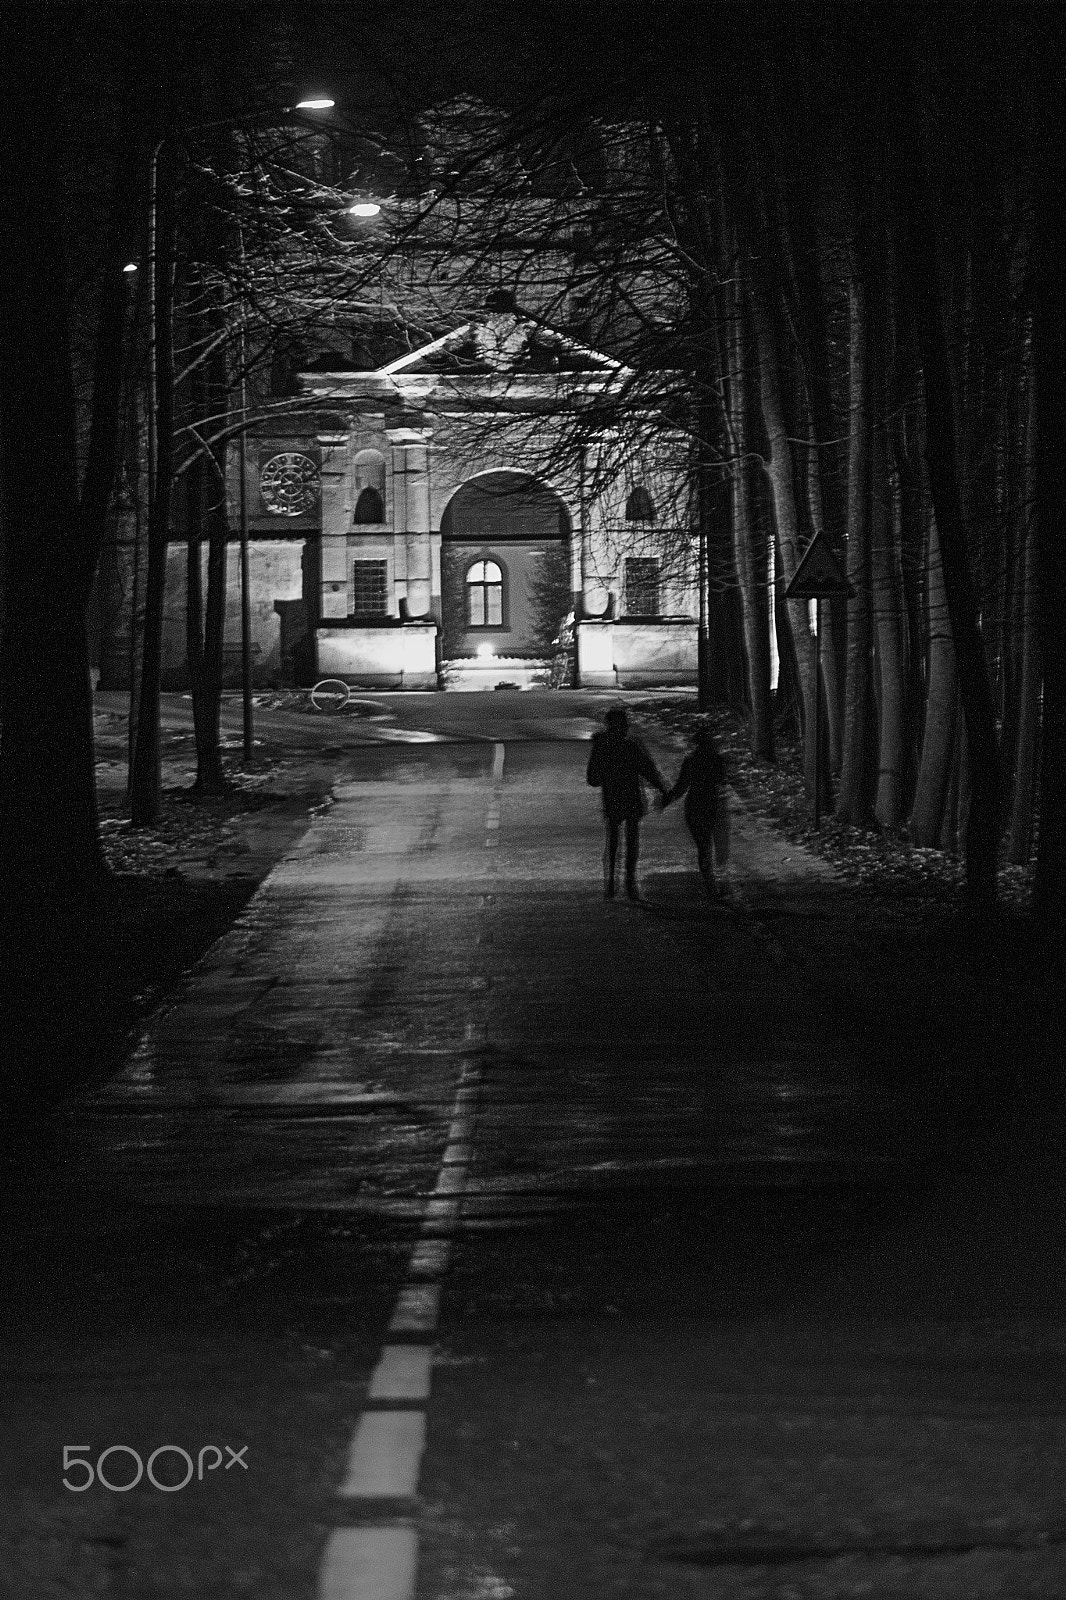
point(426, 525)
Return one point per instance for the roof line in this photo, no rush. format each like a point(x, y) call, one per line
point(585, 349)
point(423, 350)
point(564, 339)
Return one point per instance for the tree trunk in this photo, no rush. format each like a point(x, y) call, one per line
point(210, 778)
point(137, 564)
point(828, 654)
point(913, 539)
point(49, 845)
point(852, 801)
point(708, 681)
point(919, 260)
point(102, 457)
point(725, 647)
point(1049, 348)
point(119, 553)
point(1024, 789)
point(886, 587)
point(111, 599)
point(950, 831)
point(206, 508)
point(800, 250)
point(779, 472)
point(1026, 577)
point(941, 698)
point(194, 494)
point(1017, 515)
point(756, 638)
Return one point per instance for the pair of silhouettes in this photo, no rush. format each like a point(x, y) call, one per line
point(619, 766)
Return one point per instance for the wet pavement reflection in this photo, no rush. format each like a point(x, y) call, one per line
point(684, 1111)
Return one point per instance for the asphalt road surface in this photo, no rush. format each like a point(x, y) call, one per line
point(504, 1241)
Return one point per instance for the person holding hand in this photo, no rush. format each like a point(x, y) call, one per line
point(619, 766)
point(700, 780)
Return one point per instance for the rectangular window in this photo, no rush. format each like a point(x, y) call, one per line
point(370, 590)
point(642, 587)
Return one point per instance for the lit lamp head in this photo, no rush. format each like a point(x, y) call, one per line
point(315, 103)
point(485, 652)
point(364, 208)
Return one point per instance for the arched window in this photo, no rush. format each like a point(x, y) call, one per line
point(640, 507)
point(368, 486)
point(369, 507)
point(484, 595)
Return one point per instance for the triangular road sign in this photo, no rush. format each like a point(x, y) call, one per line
point(819, 575)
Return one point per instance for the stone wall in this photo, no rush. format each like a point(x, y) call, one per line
point(634, 655)
point(275, 568)
point(400, 656)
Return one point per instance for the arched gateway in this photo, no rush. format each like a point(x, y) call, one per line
point(389, 558)
point(505, 568)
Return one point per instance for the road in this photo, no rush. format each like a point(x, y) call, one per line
point(530, 1244)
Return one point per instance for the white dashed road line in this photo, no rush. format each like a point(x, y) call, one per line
point(384, 1456)
point(417, 1305)
point(375, 1563)
point(377, 1559)
point(402, 1373)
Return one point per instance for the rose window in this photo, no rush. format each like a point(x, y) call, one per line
point(289, 484)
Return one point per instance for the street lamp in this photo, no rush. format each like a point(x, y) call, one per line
point(144, 786)
point(145, 767)
point(248, 741)
point(313, 103)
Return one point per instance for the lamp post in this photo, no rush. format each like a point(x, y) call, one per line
point(248, 741)
point(145, 781)
point(145, 778)
point(313, 103)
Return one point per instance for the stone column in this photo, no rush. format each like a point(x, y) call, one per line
point(336, 514)
point(399, 522)
point(411, 516)
point(419, 561)
point(577, 554)
point(435, 601)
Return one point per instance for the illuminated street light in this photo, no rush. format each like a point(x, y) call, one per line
point(364, 208)
point(131, 266)
point(314, 105)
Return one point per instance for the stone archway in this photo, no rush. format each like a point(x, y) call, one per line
point(505, 567)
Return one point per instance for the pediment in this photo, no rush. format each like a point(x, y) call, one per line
point(500, 346)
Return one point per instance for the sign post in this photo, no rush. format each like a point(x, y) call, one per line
point(818, 577)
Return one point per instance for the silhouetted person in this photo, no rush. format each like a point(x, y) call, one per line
point(700, 781)
point(619, 766)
